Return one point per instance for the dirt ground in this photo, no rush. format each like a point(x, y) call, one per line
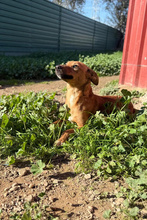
point(68, 195)
point(57, 86)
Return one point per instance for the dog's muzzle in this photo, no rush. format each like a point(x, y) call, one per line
point(59, 70)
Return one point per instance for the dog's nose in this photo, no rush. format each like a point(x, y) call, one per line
point(59, 67)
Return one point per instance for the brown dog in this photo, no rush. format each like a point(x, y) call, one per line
point(80, 98)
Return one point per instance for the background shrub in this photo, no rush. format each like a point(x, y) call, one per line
point(42, 66)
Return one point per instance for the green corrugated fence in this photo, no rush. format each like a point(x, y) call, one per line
point(28, 26)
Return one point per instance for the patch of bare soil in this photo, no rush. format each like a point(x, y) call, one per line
point(58, 86)
point(68, 195)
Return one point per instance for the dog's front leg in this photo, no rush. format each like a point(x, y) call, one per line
point(63, 137)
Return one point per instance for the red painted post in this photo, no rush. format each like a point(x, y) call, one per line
point(134, 61)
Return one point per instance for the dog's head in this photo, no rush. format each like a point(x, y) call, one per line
point(76, 73)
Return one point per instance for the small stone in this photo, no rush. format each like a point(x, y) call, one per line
point(14, 188)
point(115, 192)
point(65, 216)
point(91, 209)
point(32, 198)
point(6, 189)
point(116, 184)
point(92, 197)
point(24, 172)
point(1, 86)
point(39, 175)
point(29, 198)
point(55, 181)
point(32, 185)
point(6, 194)
point(87, 176)
point(12, 203)
point(45, 183)
point(15, 184)
point(119, 201)
point(17, 209)
point(52, 199)
point(144, 212)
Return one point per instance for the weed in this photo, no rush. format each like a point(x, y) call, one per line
point(34, 211)
point(111, 88)
point(27, 125)
point(104, 64)
point(137, 94)
point(64, 89)
point(135, 193)
point(38, 167)
point(107, 214)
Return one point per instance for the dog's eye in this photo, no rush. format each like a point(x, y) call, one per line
point(75, 67)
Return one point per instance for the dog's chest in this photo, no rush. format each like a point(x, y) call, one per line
point(75, 101)
point(72, 100)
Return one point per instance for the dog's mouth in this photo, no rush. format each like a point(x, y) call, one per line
point(65, 76)
point(61, 75)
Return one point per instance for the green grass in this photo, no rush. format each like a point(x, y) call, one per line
point(26, 125)
point(114, 145)
point(41, 66)
point(111, 88)
point(27, 129)
point(111, 146)
point(64, 90)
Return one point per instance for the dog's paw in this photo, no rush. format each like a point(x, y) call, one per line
point(58, 143)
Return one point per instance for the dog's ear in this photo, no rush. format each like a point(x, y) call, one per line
point(93, 76)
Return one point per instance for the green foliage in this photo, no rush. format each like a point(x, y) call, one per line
point(34, 211)
point(104, 64)
point(38, 167)
point(135, 193)
point(27, 127)
point(107, 214)
point(23, 68)
point(113, 146)
point(111, 88)
point(42, 66)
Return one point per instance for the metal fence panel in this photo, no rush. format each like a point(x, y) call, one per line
point(41, 26)
point(76, 31)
